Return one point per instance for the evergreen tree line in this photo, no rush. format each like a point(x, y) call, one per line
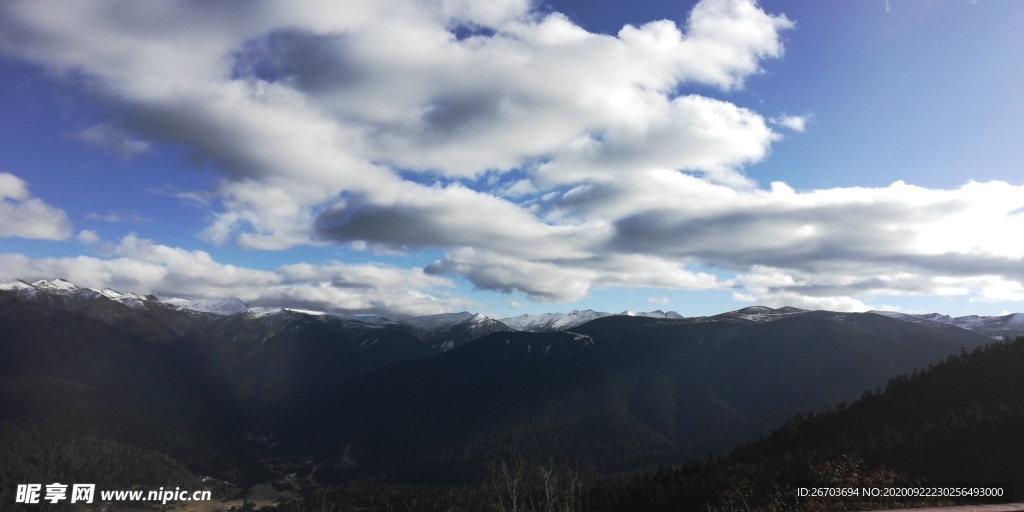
point(956, 421)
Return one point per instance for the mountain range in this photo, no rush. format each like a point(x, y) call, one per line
point(62, 293)
point(614, 393)
point(260, 360)
point(222, 388)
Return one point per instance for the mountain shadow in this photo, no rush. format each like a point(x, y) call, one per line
point(614, 393)
point(959, 421)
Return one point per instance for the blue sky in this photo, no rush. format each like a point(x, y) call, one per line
point(514, 157)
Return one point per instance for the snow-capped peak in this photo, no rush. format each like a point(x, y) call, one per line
point(478, 318)
point(435, 323)
point(756, 309)
point(131, 300)
point(110, 294)
point(762, 313)
point(216, 306)
point(653, 314)
point(62, 293)
point(1015, 319)
point(55, 286)
point(15, 285)
point(552, 321)
point(118, 296)
point(256, 312)
point(995, 326)
point(310, 312)
point(68, 295)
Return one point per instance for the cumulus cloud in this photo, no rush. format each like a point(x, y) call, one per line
point(820, 249)
point(693, 133)
point(142, 266)
point(569, 279)
point(24, 216)
point(372, 124)
point(810, 230)
point(299, 103)
point(88, 237)
point(452, 216)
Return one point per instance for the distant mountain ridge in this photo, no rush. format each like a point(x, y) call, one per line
point(428, 324)
point(434, 398)
point(62, 293)
point(1010, 326)
point(615, 391)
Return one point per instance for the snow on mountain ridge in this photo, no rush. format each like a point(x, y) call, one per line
point(435, 323)
point(71, 296)
point(131, 300)
point(1014, 319)
point(58, 285)
point(552, 321)
point(993, 326)
point(222, 307)
point(479, 318)
point(653, 314)
point(60, 293)
point(108, 293)
point(762, 313)
point(15, 285)
point(252, 312)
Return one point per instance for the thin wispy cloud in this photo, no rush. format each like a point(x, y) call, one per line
point(113, 139)
point(118, 217)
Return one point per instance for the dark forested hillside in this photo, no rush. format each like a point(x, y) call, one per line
point(84, 400)
point(259, 365)
point(958, 421)
point(615, 393)
point(127, 391)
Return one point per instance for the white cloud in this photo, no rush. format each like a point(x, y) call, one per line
point(346, 93)
point(728, 39)
point(190, 197)
point(798, 300)
point(325, 120)
point(692, 133)
point(113, 139)
point(88, 237)
point(658, 300)
point(142, 266)
point(569, 279)
point(999, 289)
point(518, 188)
point(117, 217)
point(795, 123)
point(452, 217)
point(24, 216)
point(825, 246)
